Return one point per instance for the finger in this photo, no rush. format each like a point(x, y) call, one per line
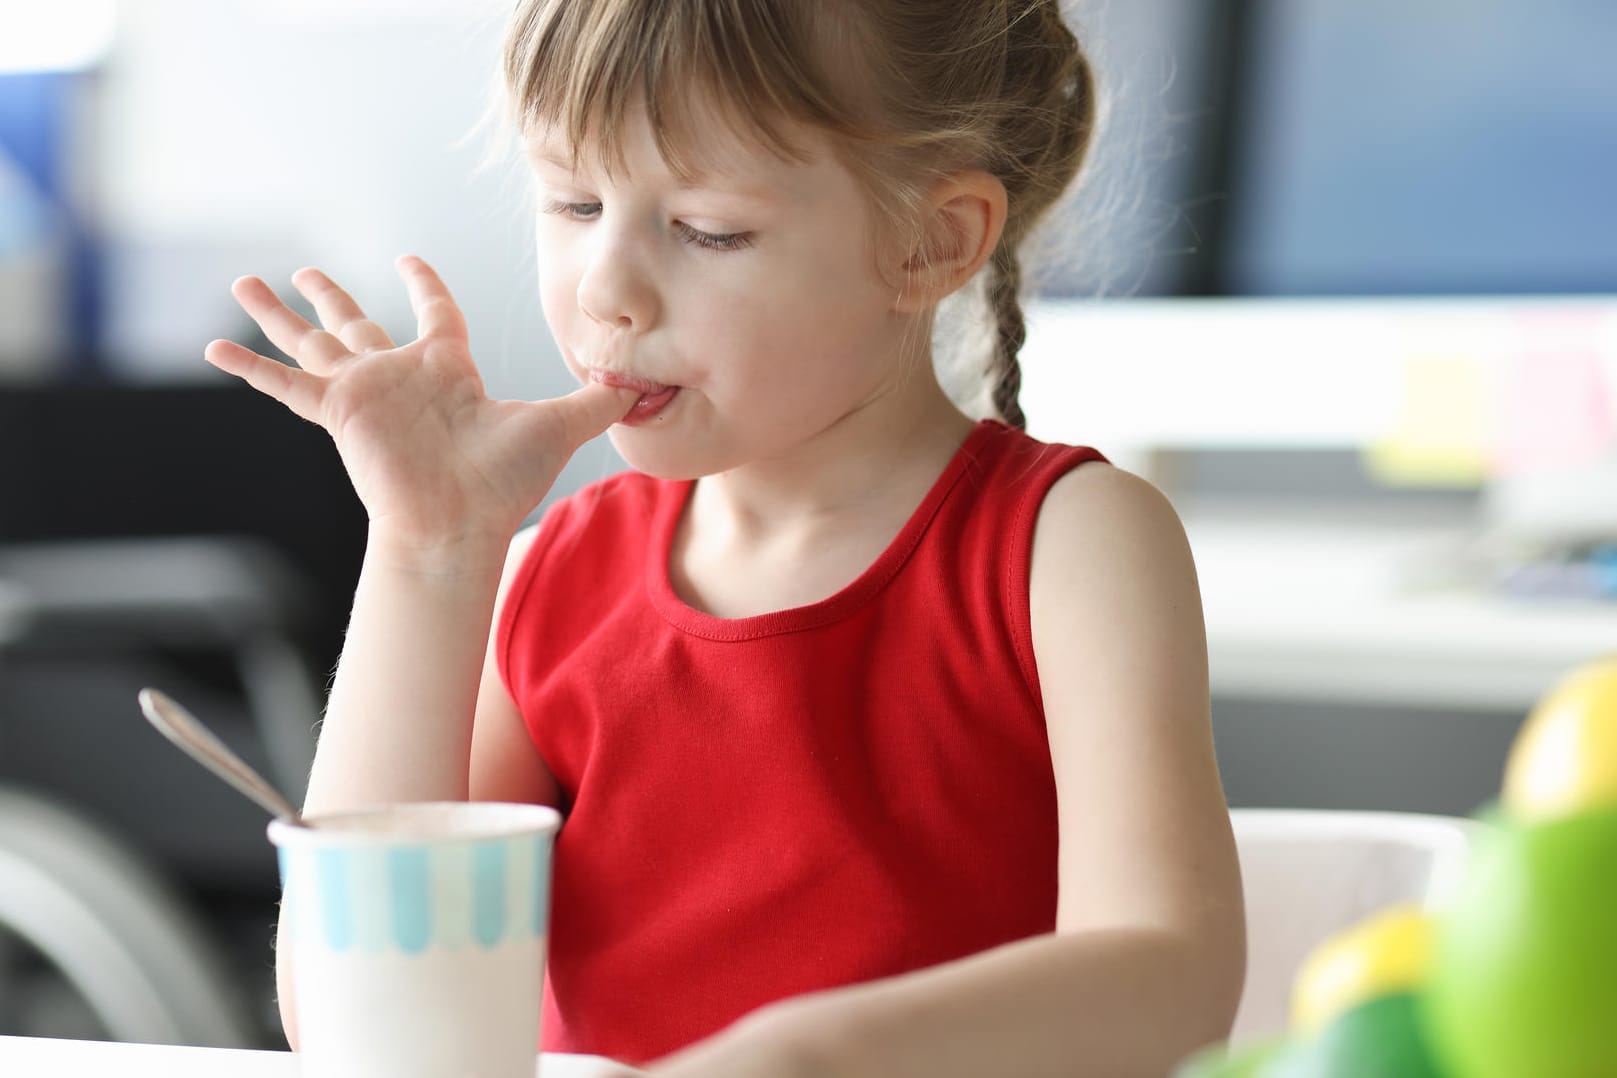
point(311, 347)
point(300, 391)
point(339, 313)
point(591, 409)
point(435, 311)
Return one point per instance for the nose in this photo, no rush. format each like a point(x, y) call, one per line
point(615, 289)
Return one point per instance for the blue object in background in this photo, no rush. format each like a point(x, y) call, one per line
point(35, 114)
point(1387, 147)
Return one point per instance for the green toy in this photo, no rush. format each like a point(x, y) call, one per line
point(1382, 1038)
point(1524, 980)
point(1518, 978)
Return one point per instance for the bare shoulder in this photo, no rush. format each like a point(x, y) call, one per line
point(1106, 532)
point(1101, 490)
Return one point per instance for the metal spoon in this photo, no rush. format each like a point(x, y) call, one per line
point(187, 731)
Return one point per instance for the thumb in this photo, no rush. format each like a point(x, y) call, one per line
point(590, 409)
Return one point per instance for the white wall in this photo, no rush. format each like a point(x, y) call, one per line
point(239, 137)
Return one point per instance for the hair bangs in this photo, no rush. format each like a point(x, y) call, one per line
point(580, 67)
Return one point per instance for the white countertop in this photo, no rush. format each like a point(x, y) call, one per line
point(38, 1057)
point(1312, 608)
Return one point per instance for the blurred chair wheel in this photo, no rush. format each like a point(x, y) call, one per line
point(120, 936)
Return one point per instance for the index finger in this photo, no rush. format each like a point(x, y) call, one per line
point(435, 311)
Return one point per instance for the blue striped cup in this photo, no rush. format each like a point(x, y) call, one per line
point(416, 935)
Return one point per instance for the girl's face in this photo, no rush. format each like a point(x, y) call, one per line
point(747, 306)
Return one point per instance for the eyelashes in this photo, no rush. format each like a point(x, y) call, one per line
point(710, 241)
point(573, 211)
point(728, 241)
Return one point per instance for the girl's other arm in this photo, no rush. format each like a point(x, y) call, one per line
point(1147, 960)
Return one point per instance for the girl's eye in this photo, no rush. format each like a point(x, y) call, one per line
point(589, 211)
point(578, 211)
point(728, 241)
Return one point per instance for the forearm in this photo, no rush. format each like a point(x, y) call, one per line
point(398, 723)
point(1107, 1003)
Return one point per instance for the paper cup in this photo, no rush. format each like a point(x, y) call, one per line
point(417, 938)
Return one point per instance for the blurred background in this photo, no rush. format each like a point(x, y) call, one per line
point(1341, 279)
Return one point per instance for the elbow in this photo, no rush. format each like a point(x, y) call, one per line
point(1195, 991)
point(1215, 981)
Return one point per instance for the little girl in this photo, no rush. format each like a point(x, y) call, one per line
point(881, 734)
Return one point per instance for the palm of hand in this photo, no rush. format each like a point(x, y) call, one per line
point(430, 455)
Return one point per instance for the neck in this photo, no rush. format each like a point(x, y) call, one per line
point(879, 459)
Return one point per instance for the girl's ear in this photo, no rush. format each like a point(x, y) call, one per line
point(963, 219)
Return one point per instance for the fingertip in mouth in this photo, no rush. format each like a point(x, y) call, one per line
point(651, 399)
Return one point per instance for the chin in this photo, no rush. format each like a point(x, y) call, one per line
point(660, 454)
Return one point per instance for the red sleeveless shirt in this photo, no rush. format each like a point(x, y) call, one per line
point(765, 806)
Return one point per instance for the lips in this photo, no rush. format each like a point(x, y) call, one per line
point(654, 396)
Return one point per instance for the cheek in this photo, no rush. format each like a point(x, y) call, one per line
point(558, 292)
point(796, 348)
point(822, 290)
point(830, 313)
point(843, 294)
point(551, 295)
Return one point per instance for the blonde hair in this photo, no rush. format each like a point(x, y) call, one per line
point(934, 86)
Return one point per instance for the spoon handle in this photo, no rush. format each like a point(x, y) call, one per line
point(186, 731)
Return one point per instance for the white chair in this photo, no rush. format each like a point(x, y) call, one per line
point(1309, 873)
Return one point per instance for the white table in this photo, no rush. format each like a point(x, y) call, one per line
point(1325, 609)
point(39, 1057)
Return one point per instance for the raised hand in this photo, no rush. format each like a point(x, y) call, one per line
point(433, 459)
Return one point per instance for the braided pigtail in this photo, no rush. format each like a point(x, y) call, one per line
point(1010, 330)
point(1049, 92)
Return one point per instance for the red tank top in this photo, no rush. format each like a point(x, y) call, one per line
point(765, 806)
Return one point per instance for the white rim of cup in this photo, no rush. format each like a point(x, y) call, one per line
point(506, 819)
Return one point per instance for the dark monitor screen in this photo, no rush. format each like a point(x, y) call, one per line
point(1444, 146)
